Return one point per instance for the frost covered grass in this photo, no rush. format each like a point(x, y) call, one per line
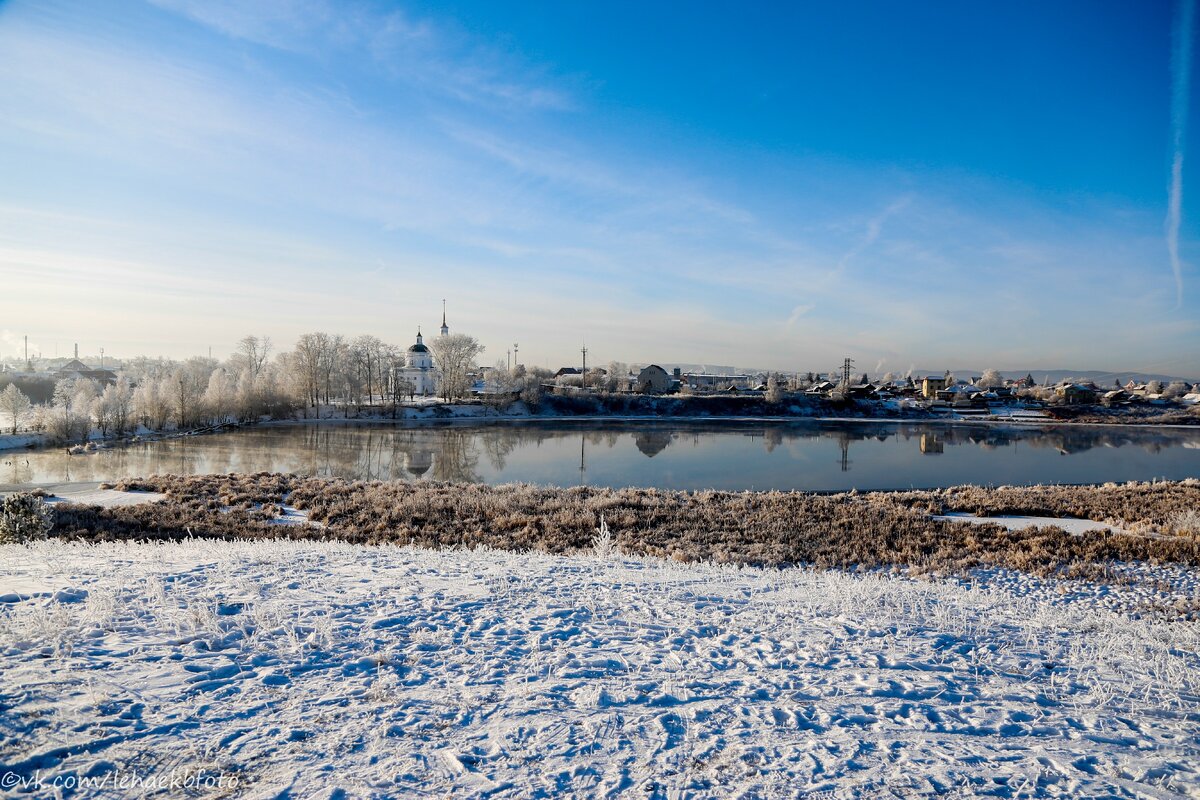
point(849, 530)
point(313, 667)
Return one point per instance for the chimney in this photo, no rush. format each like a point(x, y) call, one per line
point(77, 350)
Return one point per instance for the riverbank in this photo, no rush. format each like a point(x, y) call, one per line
point(674, 408)
point(875, 530)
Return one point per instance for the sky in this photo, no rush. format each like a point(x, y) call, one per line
point(771, 185)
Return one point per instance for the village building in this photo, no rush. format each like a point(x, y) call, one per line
point(75, 369)
point(931, 385)
point(419, 376)
point(1076, 394)
point(709, 382)
point(653, 380)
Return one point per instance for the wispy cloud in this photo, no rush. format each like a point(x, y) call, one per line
point(1181, 65)
point(873, 230)
point(418, 52)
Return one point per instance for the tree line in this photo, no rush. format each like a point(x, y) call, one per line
point(255, 382)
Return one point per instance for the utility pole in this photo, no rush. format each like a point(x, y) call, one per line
point(509, 354)
point(516, 360)
point(583, 376)
point(101, 358)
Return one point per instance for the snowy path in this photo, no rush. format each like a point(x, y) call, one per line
point(388, 672)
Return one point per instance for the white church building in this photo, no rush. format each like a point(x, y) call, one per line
point(419, 376)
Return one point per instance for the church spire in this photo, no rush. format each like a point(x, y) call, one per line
point(445, 329)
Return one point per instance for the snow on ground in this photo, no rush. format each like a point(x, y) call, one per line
point(20, 441)
point(332, 670)
point(1018, 522)
point(108, 498)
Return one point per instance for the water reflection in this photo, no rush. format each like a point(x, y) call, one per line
point(732, 455)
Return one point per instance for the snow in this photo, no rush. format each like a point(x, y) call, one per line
point(333, 670)
point(108, 498)
point(1018, 522)
point(20, 441)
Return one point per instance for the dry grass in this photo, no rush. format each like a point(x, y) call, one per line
point(760, 528)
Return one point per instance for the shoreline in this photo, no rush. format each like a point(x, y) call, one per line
point(25, 442)
point(1137, 522)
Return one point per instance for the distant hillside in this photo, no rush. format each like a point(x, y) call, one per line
point(1099, 377)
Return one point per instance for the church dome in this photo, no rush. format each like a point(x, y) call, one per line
point(418, 348)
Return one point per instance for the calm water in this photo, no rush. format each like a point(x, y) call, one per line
point(725, 455)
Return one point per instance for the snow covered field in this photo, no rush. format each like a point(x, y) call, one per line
point(334, 670)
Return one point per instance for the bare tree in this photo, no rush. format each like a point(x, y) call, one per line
point(307, 364)
point(14, 403)
point(253, 353)
point(454, 355)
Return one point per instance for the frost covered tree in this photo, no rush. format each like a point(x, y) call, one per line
point(151, 404)
point(69, 418)
point(529, 383)
point(117, 401)
point(1154, 387)
point(221, 394)
point(185, 387)
point(23, 518)
point(454, 355)
point(1175, 389)
point(15, 404)
point(774, 394)
point(991, 379)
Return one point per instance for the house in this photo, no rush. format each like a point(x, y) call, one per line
point(861, 391)
point(1115, 397)
point(960, 395)
point(708, 382)
point(653, 380)
point(931, 385)
point(1076, 394)
point(75, 368)
point(568, 371)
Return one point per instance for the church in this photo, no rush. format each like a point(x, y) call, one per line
point(419, 376)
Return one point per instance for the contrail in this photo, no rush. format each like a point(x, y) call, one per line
point(1181, 67)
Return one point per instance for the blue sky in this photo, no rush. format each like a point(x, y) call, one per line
point(780, 185)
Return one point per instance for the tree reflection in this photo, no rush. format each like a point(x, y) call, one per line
point(558, 452)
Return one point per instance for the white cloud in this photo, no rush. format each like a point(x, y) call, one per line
point(1181, 65)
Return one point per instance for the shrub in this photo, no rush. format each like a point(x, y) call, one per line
point(24, 517)
point(602, 541)
point(1186, 522)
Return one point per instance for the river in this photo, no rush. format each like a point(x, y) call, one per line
point(726, 454)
